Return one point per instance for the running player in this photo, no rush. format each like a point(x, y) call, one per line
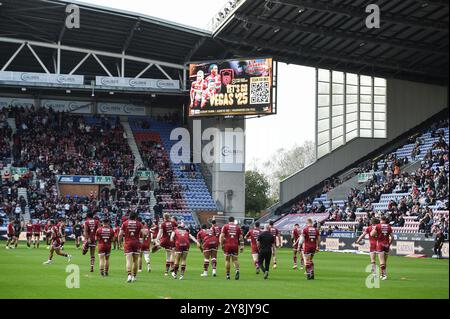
point(11, 234)
point(274, 231)
point(295, 245)
point(146, 240)
point(208, 244)
point(230, 238)
point(47, 230)
point(310, 241)
point(56, 244)
point(78, 231)
point(252, 236)
point(62, 228)
point(131, 232)
point(37, 228)
point(383, 233)
point(90, 228)
point(29, 232)
point(163, 239)
point(180, 237)
point(104, 237)
point(373, 243)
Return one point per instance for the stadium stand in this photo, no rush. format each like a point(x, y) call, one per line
point(415, 202)
point(182, 188)
point(48, 144)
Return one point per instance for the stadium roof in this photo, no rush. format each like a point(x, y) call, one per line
point(103, 29)
point(412, 42)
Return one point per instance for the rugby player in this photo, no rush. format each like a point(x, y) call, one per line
point(146, 240)
point(104, 236)
point(11, 234)
point(90, 228)
point(180, 237)
point(310, 242)
point(208, 244)
point(29, 232)
point(78, 231)
point(295, 246)
point(131, 232)
point(56, 236)
point(37, 228)
point(252, 236)
point(274, 231)
point(163, 240)
point(383, 233)
point(230, 238)
point(373, 243)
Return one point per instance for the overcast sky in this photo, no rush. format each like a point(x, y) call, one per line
point(294, 122)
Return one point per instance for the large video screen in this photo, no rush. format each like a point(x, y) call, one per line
point(231, 87)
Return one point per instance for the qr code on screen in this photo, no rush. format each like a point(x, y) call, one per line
point(260, 90)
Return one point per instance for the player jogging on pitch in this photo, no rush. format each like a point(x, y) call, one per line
point(56, 236)
point(180, 237)
point(372, 242)
point(146, 240)
point(230, 239)
point(90, 228)
point(383, 233)
point(310, 242)
point(252, 236)
point(208, 244)
point(163, 239)
point(131, 231)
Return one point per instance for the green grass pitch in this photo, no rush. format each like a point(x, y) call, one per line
point(22, 275)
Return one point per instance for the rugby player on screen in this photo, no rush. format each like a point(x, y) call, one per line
point(197, 89)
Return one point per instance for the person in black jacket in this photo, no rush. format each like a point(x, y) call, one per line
point(266, 242)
